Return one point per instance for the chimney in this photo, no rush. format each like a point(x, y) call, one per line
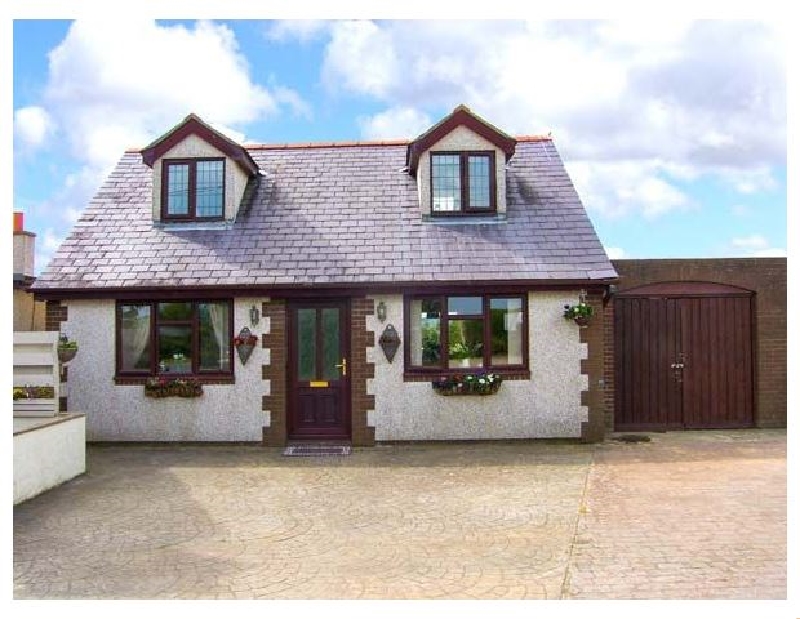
point(24, 246)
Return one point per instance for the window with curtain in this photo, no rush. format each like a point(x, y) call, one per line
point(174, 338)
point(465, 333)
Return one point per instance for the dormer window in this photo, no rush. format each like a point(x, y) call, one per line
point(193, 189)
point(199, 175)
point(463, 182)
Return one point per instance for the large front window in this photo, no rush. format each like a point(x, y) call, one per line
point(462, 182)
point(174, 338)
point(461, 332)
point(193, 189)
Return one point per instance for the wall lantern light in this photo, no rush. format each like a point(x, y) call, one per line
point(381, 311)
point(254, 316)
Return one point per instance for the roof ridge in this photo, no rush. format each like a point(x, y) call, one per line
point(398, 142)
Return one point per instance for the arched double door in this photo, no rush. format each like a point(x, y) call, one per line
point(683, 357)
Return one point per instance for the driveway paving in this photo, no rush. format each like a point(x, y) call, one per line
point(686, 515)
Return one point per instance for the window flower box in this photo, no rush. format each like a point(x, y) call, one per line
point(34, 401)
point(468, 384)
point(176, 387)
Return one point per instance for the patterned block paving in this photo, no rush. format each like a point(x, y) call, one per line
point(477, 521)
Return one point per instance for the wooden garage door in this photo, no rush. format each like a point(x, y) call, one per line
point(683, 357)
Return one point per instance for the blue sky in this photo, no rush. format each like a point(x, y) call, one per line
point(674, 132)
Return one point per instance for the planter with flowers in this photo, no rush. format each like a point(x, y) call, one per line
point(244, 343)
point(34, 401)
point(177, 387)
point(479, 383)
point(580, 313)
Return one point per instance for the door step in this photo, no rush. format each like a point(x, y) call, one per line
point(316, 450)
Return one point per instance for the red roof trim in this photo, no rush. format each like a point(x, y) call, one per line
point(299, 145)
point(462, 115)
point(192, 125)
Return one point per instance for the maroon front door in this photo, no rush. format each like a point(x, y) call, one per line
point(318, 376)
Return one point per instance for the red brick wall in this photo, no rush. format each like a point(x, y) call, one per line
point(766, 277)
point(274, 435)
point(360, 339)
point(593, 336)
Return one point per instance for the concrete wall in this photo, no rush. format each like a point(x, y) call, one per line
point(47, 454)
point(546, 405)
point(122, 412)
point(193, 146)
point(765, 276)
point(460, 139)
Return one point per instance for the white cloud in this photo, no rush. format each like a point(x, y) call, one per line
point(116, 86)
point(753, 242)
point(615, 253)
point(678, 100)
point(616, 189)
point(46, 246)
point(394, 123)
point(755, 245)
point(107, 98)
point(302, 30)
point(32, 125)
point(770, 252)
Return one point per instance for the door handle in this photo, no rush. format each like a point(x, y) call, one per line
point(343, 366)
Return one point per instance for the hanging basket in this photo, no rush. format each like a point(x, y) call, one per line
point(66, 354)
point(581, 321)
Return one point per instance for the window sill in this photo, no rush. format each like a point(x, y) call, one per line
point(203, 380)
point(428, 376)
point(465, 218)
point(196, 224)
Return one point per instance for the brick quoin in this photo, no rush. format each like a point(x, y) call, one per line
point(360, 339)
point(764, 276)
point(593, 335)
point(275, 434)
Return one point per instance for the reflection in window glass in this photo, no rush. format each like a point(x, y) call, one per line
point(178, 189)
point(425, 332)
point(446, 182)
point(174, 311)
point(330, 343)
point(465, 344)
point(479, 181)
point(135, 337)
point(208, 188)
point(506, 329)
point(464, 306)
point(175, 350)
point(214, 339)
point(306, 344)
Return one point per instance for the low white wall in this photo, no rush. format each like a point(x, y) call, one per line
point(47, 456)
point(547, 405)
point(123, 413)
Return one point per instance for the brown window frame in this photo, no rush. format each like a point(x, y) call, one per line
point(463, 164)
point(191, 215)
point(155, 323)
point(444, 333)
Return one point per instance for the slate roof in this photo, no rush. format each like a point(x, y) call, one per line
point(332, 215)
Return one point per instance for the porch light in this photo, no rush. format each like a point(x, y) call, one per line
point(254, 316)
point(381, 311)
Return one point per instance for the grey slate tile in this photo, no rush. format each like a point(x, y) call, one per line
point(330, 215)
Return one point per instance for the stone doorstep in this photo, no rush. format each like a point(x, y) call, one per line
point(317, 448)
